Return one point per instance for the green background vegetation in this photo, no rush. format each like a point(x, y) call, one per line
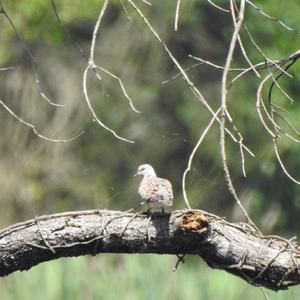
point(95, 171)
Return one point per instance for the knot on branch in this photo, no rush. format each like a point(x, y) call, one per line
point(194, 221)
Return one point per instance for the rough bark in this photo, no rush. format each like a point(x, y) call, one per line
point(237, 248)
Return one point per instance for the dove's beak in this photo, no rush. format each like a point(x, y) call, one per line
point(136, 174)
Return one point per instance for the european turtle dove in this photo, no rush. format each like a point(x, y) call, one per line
point(156, 192)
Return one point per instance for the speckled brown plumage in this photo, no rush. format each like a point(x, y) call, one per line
point(157, 192)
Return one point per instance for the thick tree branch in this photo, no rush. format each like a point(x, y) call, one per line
point(237, 248)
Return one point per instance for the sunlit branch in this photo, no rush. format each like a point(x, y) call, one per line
point(224, 91)
point(177, 15)
point(92, 65)
point(85, 92)
point(191, 157)
point(218, 7)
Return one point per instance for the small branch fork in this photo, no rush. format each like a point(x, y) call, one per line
point(91, 65)
point(37, 82)
point(265, 261)
point(267, 116)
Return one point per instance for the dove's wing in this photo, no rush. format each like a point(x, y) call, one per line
point(156, 189)
point(165, 188)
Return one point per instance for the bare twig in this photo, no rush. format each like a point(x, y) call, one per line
point(207, 62)
point(218, 7)
point(274, 134)
point(8, 68)
point(177, 15)
point(43, 237)
point(179, 74)
point(33, 127)
point(95, 67)
point(264, 293)
point(121, 85)
point(125, 10)
point(270, 116)
point(91, 65)
point(224, 114)
point(266, 59)
point(242, 157)
point(185, 77)
point(258, 66)
point(282, 164)
point(271, 17)
point(234, 18)
point(275, 82)
point(65, 31)
point(147, 2)
point(286, 121)
point(92, 110)
point(188, 169)
point(33, 59)
point(259, 102)
point(180, 259)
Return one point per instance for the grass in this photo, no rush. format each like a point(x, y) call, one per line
point(133, 277)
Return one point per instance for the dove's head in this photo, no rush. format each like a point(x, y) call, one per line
point(146, 170)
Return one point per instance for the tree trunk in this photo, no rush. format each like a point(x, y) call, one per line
point(268, 261)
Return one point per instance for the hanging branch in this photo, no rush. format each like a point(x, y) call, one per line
point(272, 18)
point(224, 112)
point(177, 15)
point(32, 57)
point(34, 129)
point(189, 166)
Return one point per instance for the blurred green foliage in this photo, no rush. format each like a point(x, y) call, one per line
point(130, 277)
point(95, 171)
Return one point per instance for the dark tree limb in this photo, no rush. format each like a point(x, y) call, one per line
point(268, 261)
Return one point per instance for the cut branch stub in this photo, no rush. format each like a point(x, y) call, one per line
point(237, 248)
